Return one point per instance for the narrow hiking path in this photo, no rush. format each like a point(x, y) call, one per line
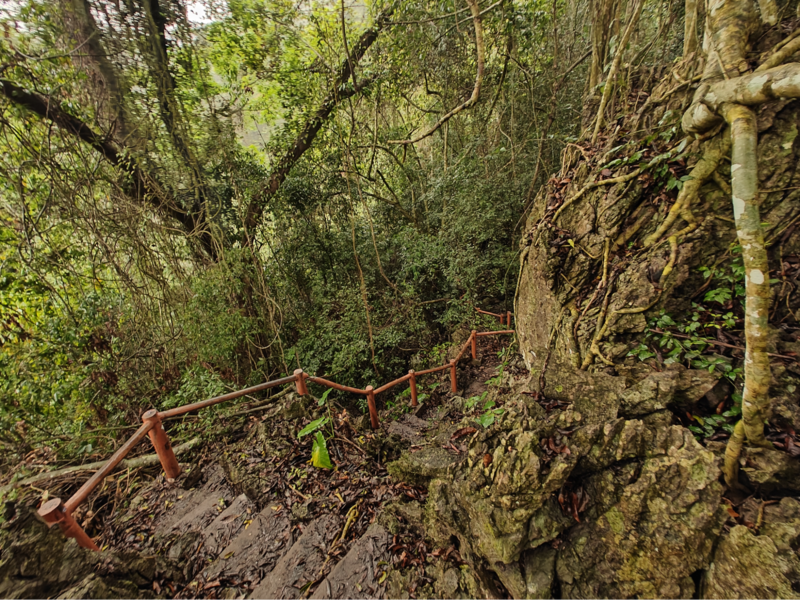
point(250, 515)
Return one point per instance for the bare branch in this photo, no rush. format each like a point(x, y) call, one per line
point(473, 99)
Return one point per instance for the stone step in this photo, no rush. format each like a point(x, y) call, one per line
point(254, 551)
point(186, 502)
point(358, 574)
point(228, 524)
point(301, 567)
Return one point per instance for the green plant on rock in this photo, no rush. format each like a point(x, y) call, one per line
point(489, 412)
point(690, 346)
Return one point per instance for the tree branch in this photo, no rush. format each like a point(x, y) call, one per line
point(339, 91)
point(473, 99)
point(140, 186)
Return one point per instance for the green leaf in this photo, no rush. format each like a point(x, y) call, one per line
point(471, 402)
point(312, 427)
point(319, 453)
point(486, 419)
point(324, 397)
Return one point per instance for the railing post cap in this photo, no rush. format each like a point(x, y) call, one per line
point(52, 511)
point(298, 371)
point(411, 371)
point(452, 362)
point(150, 415)
point(369, 388)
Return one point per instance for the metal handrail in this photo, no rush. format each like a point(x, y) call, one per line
point(57, 512)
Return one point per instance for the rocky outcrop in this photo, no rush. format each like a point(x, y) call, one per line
point(650, 501)
point(39, 562)
point(657, 533)
point(771, 470)
point(765, 564)
point(444, 580)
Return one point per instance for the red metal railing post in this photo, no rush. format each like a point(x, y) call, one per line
point(373, 411)
point(161, 444)
point(413, 383)
point(508, 318)
point(453, 385)
point(502, 320)
point(53, 512)
point(474, 344)
point(300, 380)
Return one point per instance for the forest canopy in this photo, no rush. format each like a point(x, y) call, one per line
point(200, 196)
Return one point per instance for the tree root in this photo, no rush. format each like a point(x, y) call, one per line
point(702, 171)
point(732, 453)
point(592, 185)
point(626, 235)
point(603, 322)
point(599, 332)
point(572, 342)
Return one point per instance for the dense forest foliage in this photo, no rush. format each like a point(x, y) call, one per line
point(199, 197)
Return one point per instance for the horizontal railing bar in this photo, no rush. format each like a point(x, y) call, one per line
point(433, 370)
point(486, 312)
point(181, 410)
point(464, 348)
point(391, 384)
point(336, 386)
point(112, 463)
point(483, 333)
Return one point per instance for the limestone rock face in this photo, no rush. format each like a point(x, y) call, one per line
point(419, 468)
point(443, 580)
point(39, 562)
point(532, 577)
point(654, 506)
point(659, 531)
point(772, 470)
point(676, 386)
point(746, 565)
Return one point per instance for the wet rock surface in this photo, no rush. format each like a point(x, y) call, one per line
point(357, 575)
point(302, 566)
point(658, 532)
point(762, 564)
point(39, 562)
point(598, 505)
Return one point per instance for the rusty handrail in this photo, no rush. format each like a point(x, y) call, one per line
point(336, 386)
point(57, 512)
point(433, 370)
point(505, 319)
point(486, 312)
point(466, 345)
point(103, 471)
point(182, 410)
point(391, 384)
